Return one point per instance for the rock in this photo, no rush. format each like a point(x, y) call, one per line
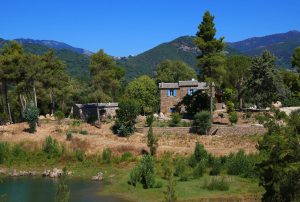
point(277, 104)
point(156, 115)
point(55, 173)
point(98, 177)
point(14, 173)
point(42, 117)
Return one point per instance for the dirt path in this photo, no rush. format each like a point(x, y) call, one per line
point(98, 139)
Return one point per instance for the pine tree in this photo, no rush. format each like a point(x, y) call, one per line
point(152, 142)
point(296, 59)
point(170, 195)
point(211, 61)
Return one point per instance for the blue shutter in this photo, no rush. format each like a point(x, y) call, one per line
point(169, 93)
point(188, 91)
point(174, 93)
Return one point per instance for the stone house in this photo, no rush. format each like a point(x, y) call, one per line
point(172, 93)
point(88, 111)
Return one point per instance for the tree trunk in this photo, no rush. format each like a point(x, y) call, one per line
point(22, 103)
point(52, 102)
point(10, 117)
point(34, 94)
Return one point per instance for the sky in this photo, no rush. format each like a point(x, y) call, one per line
point(130, 27)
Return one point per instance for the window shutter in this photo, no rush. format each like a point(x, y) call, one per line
point(168, 93)
point(188, 91)
point(174, 93)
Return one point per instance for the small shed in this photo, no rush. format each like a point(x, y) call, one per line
point(88, 111)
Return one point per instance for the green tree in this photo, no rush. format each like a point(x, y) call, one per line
point(10, 70)
point(279, 172)
point(170, 195)
point(126, 117)
point(173, 71)
point(106, 77)
point(238, 71)
point(152, 142)
point(296, 59)
point(265, 84)
point(202, 122)
point(144, 91)
point(211, 61)
point(63, 191)
point(31, 115)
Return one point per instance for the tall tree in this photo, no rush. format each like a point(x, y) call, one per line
point(174, 71)
point(296, 59)
point(238, 71)
point(211, 61)
point(144, 91)
point(265, 84)
point(10, 65)
point(106, 77)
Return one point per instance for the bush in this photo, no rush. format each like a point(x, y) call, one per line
point(291, 102)
point(51, 148)
point(230, 106)
point(59, 116)
point(152, 142)
point(216, 167)
point(192, 161)
point(149, 120)
point(76, 123)
point(202, 122)
point(217, 184)
point(83, 132)
point(175, 119)
point(106, 155)
point(144, 173)
point(80, 155)
point(135, 175)
point(31, 115)
point(241, 164)
point(200, 153)
point(179, 167)
point(167, 165)
point(18, 152)
point(233, 117)
point(126, 118)
point(4, 151)
point(69, 136)
point(126, 156)
point(200, 169)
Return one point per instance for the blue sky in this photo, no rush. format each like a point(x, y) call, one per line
point(123, 27)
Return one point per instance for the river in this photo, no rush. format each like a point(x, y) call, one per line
point(38, 189)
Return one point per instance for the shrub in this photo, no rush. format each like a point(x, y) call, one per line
point(230, 106)
point(202, 122)
point(135, 175)
point(106, 155)
point(200, 169)
point(200, 153)
point(241, 164)
point(175, 119)
point(158, 184)
point(217, 184)
point(152, 142)
point(144, 173)
point(216, 167)
point(4, 151)
point(192, 161)
point(31, 115)
point(247, 115)
point(59, 116)
point(76, 123)
point(51, 148)
point(69, 136)
point(126, 118)
point(83, 132)
point(18, 152)
point(167, 166)
point(149, 120)
point(233, 117)
point(147, 172)
point(179, 167)
point(80, 155)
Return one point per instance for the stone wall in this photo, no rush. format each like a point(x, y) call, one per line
point(215, 130)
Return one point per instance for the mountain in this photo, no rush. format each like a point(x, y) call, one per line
point(183, 48)
point(55, 45)
point(75, 59)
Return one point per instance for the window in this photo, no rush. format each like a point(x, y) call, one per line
point(190, 91)
point(172, 92)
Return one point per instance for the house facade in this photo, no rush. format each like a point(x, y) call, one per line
point(173, 93)
point(88, 111)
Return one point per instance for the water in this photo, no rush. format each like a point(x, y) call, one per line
point(37, 189)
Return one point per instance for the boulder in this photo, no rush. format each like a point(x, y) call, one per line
point(42, 117)
point(55, 173)
point(98, 177)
